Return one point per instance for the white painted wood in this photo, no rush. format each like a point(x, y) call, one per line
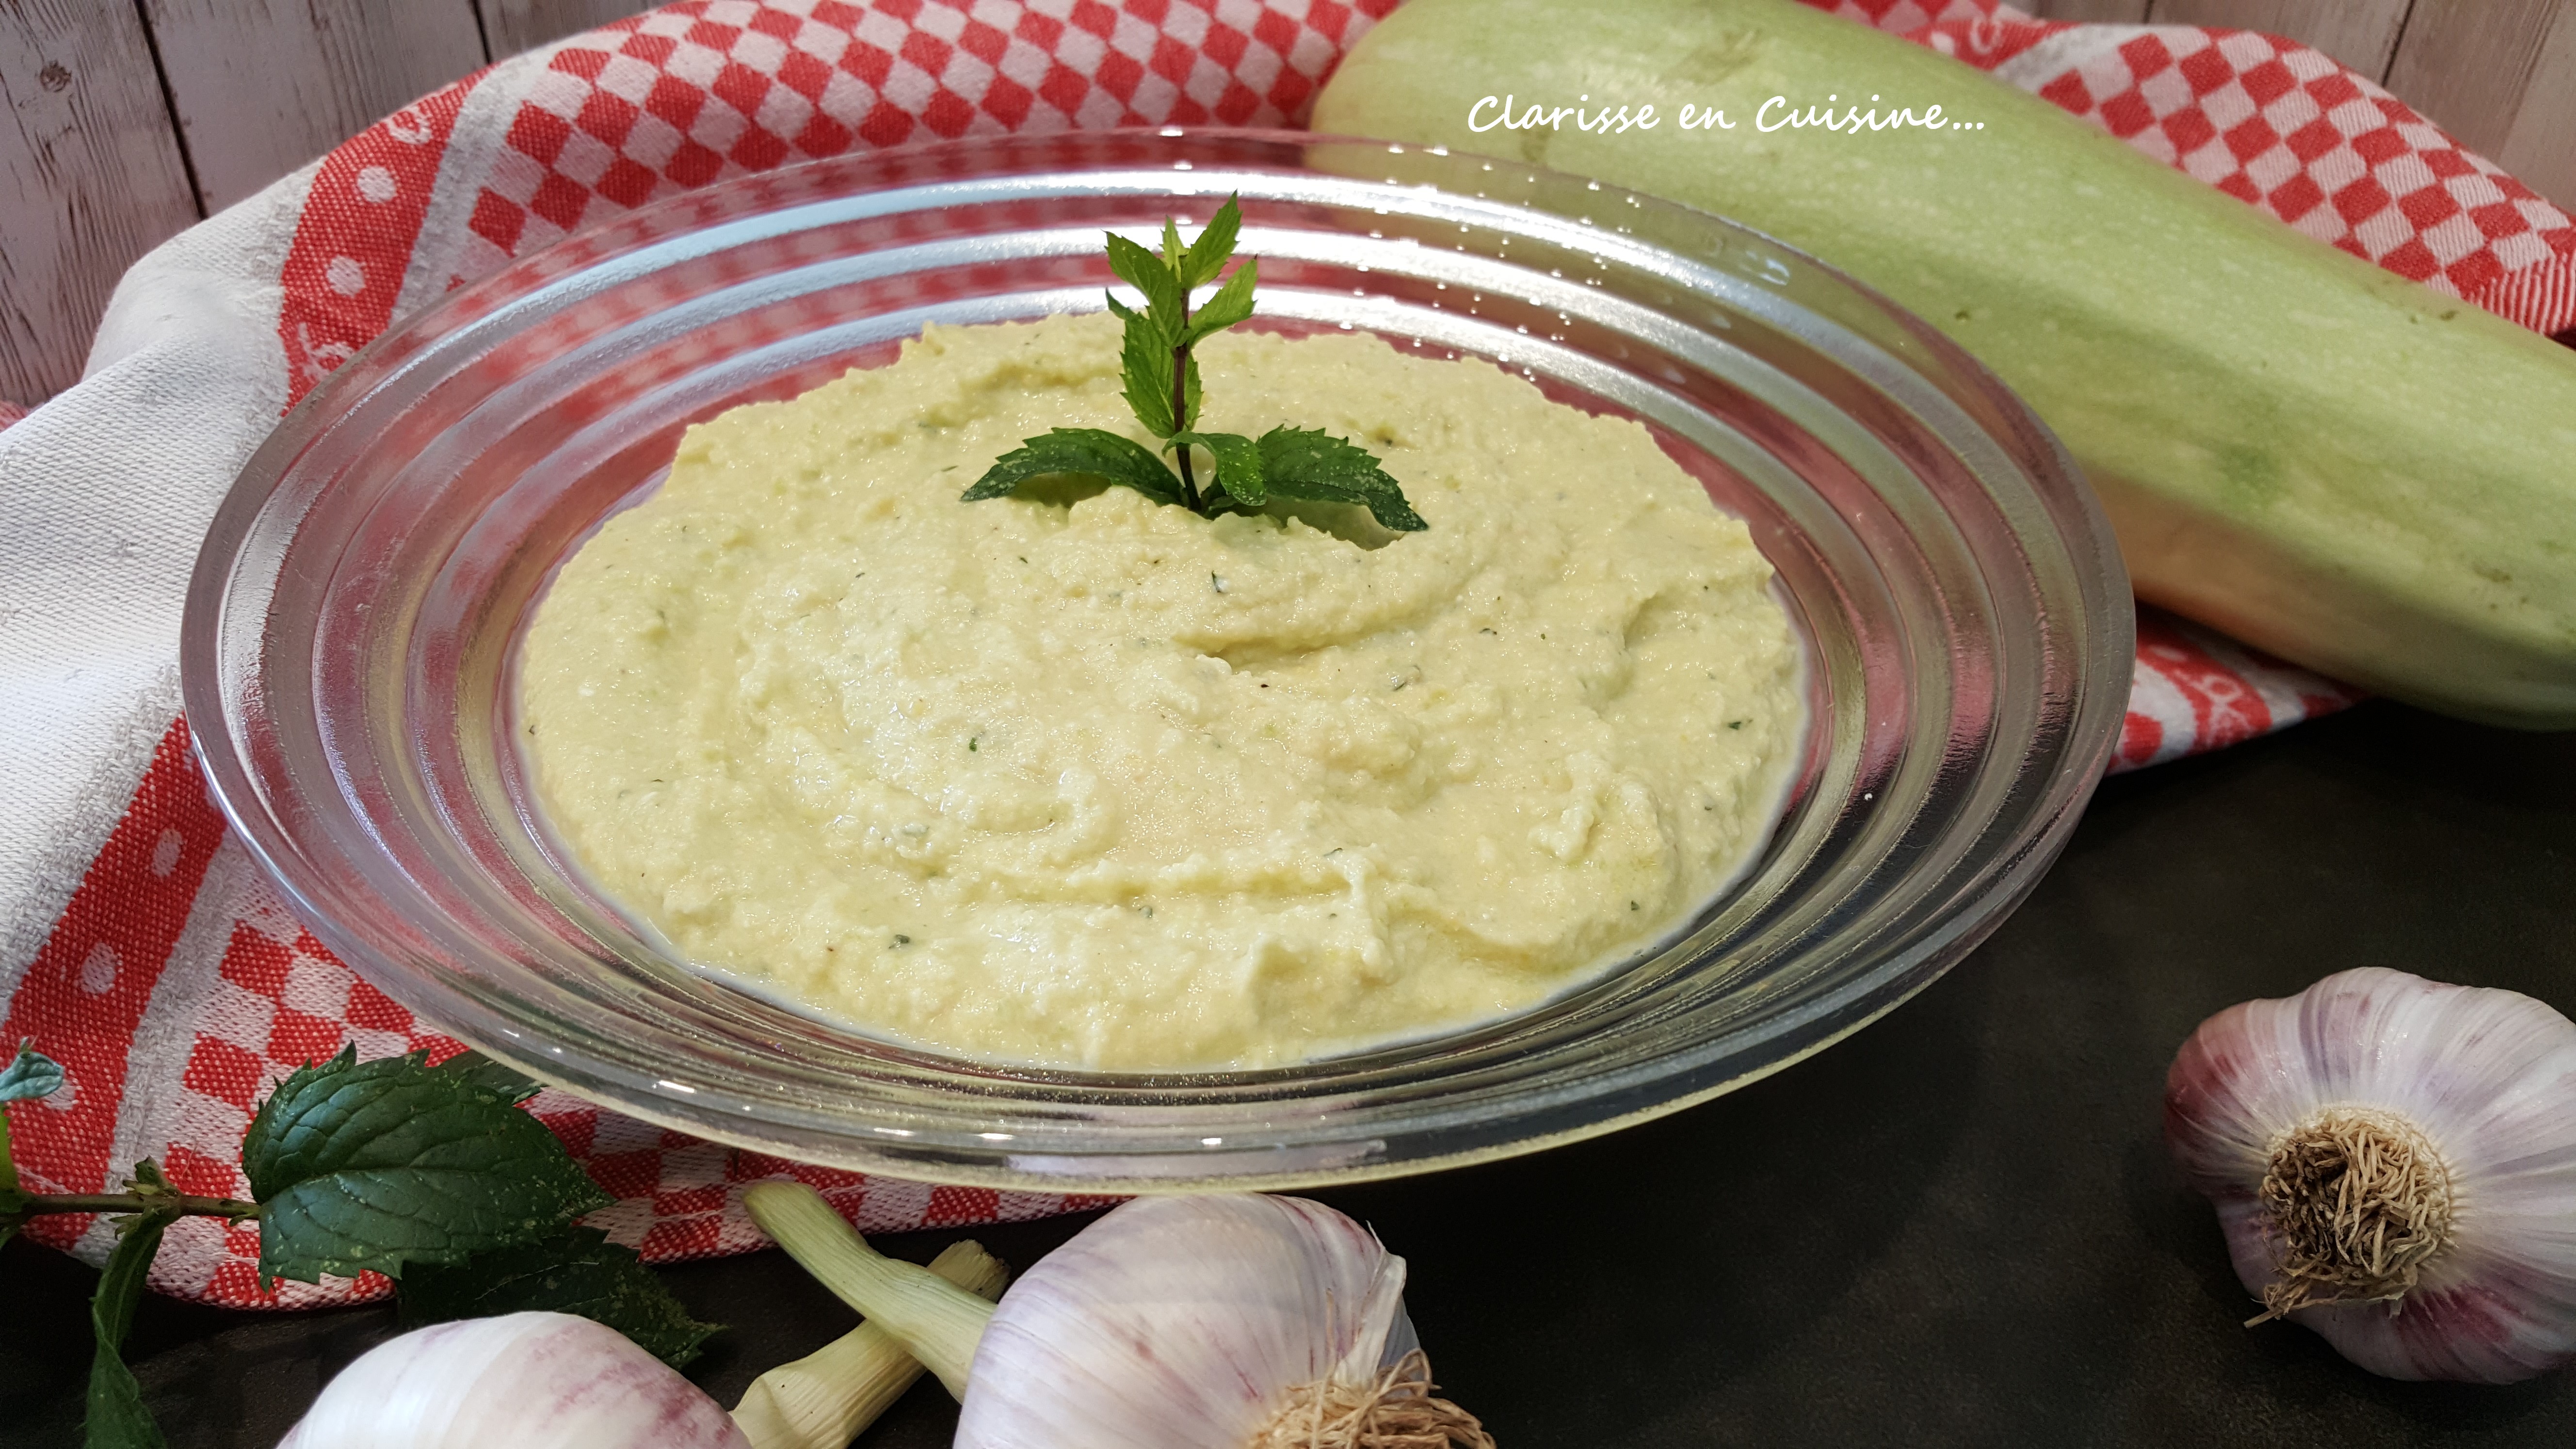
point(2540, 145)
point(263, 86)
point(2360, 33)
point(2476, 67)
point(2498, 74)
point(90, 179)
point(2127, 12)
point(511, 26)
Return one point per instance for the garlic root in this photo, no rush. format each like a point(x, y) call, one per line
point(1395, 1410)
point(2358, 1201)
point(823, 1400)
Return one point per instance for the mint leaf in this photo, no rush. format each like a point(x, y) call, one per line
point(31, 1074)
point(1207, 256)
point(482, 1070)
point(575, 1271)
point(1082, 453)
point(1145, 360)
point(1308, 463)
point(360, 1165)
point(116, 1417)
point(1238, 464)
point(1231, 304)
point(1165, 299)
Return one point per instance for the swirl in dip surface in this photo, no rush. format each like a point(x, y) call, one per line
point(1088, 781)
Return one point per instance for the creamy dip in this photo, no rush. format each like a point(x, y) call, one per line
point(1084, 780)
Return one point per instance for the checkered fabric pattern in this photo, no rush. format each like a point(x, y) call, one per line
point(503, 164)
point(690, 95)
point(2193, 690)
point(176, 987)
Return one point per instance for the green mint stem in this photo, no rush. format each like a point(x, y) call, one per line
point(1181, 411)
point(36, 1204)
point(937, 1321)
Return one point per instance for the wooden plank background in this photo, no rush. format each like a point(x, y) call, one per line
point(91, 177)
point(511, 26)
point(129, 119)
point(2498, 74)
point(262, 86)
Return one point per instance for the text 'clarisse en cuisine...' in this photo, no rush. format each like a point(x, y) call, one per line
point(1777, 113)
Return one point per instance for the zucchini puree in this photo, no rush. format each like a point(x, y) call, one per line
point(1080, 780)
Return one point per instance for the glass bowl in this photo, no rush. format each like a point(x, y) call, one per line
point(349, 627)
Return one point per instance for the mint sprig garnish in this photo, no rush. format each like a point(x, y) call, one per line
point(1162, 389)
point(375, 1165)
point(429, 1175)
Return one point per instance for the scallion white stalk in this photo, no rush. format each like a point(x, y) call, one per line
point(938, 1321)
point(823, 1400)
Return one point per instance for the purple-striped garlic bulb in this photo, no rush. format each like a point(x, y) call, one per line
point(529, 1380)
point(1217, 1322)
point(2394, 1162)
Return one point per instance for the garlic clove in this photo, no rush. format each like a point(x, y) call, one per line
point(1181, 1323)
point(2480, 1083)
point(527, 1380)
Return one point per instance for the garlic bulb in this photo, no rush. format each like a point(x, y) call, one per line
point(1181, 1321)
point(528, 1380)
point(1232, 1322)
point(553, 1381)
point(2394, 1163)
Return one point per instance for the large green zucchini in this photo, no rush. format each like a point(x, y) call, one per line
point(2319, 457)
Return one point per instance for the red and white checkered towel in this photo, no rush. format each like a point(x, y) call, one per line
point(139, 944)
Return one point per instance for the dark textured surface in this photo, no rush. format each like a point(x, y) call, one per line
point(1958, 1228)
